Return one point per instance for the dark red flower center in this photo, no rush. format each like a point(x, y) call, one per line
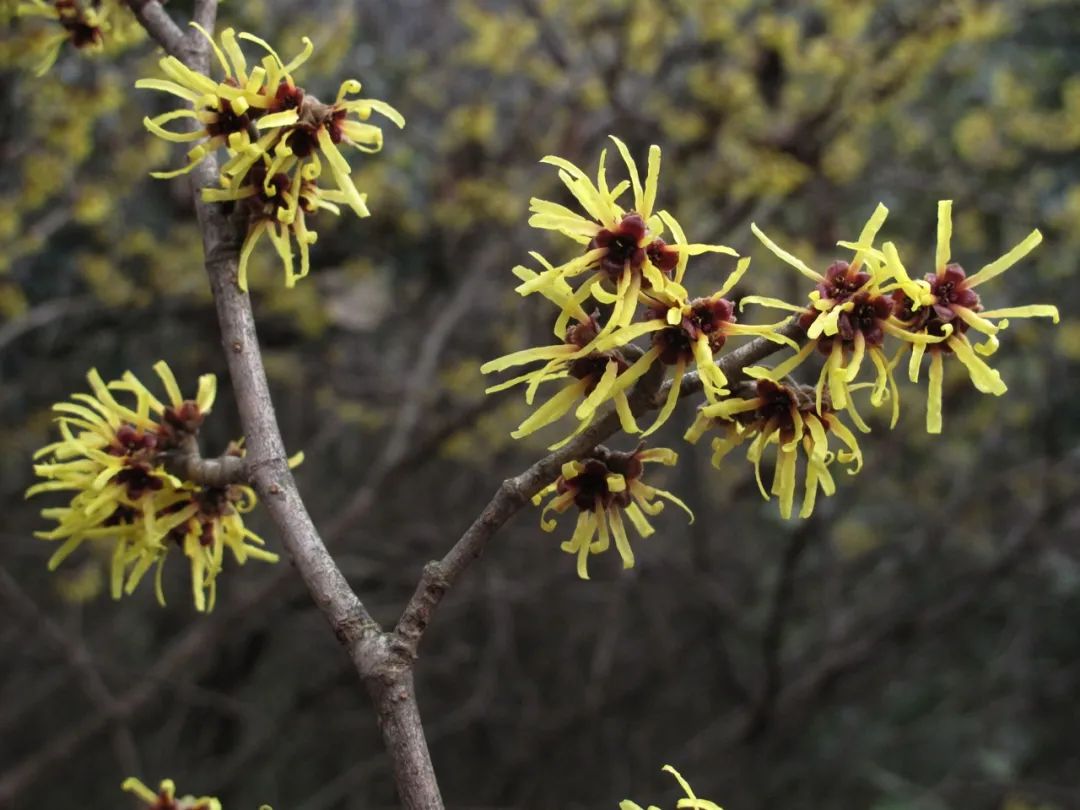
point(287, 97)
point(138, 479)
point(71, 17)
point(592, 367)
point(130, 441)
point(591, 483)
point(582, 334)
point(778, 405)
point(621, 245)
point(227, 121)
point(950, 290)
point(707, 316)
point(178, 421)
point(866, 317)
point(841, 282)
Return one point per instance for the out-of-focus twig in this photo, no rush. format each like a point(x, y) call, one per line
point(79, 659)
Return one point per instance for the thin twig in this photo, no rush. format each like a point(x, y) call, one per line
point(187, 462)
point(514, 493)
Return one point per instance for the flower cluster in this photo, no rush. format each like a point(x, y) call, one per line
point(84, 24)
point(165, 797)
point(791, 417)
point(114, 456)
point(625, 266)
point(689, 802)
point(943, 306)
point(856, 304)
point(278, 137)
point(627, 282)
point(603, 486)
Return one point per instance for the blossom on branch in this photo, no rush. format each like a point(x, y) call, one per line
point(278, 138)
point(848, 315)
point(690, 331)
point(598, 377)
point(791, 418)
point(113, 456)
point(165, 797)
point(278, 206)
point(941, 308)
point(603, 487)
point(631, 269)
point(688, 802)
point(83, 24)
point(624, 253)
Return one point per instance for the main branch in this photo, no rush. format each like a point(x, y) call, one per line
point(384, 660)
point(266, 462)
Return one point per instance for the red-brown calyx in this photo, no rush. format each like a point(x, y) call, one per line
point(180, 421)
point(592, 366)
point(590, 485)
point(841, 283)
point(778, 405)
point(950, 290)
point(705, 316)
point(622, 245)
point(313, 115)
point(139, 449)
point(663, 258)
point(866, 316)
point(81, 33)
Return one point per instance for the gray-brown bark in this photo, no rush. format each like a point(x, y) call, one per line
point(383, 659)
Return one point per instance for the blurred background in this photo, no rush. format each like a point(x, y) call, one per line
point(913, 646)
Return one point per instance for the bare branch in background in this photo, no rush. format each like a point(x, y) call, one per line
point(80, 659)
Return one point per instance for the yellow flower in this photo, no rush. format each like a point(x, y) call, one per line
point(137, 531)
point(294, 127)
point(303, 128)
point(79, 23)
point(165, 797)
point(279, 207)
point(603, 486)
point(790, 418)
point(690, 801)
point(689, 332)
point(224, 110)
point(623, 248)
point(216, 524)
point(598, 377)
point(939, 310)
point(847, 319)
point(112, 457)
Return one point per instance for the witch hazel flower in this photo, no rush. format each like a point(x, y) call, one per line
point(942, 307)
point(846, 319)
point(278, 137)
point(604, 487)
point(791, 418)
